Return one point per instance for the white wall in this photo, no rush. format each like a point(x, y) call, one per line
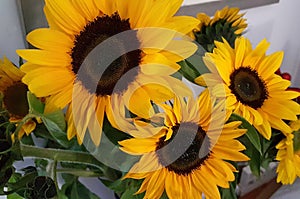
point(280, 25)
point(11, 35)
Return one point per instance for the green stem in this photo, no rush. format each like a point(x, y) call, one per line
point(77, 172)
point(61, 155)
point(54, 174)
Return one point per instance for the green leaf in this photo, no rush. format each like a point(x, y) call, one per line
point(188, 71)
point(56, 132)
point(296, 140)
point(35, 105)
point(74, 189)
point(130, 194)
point(20, 183)
point(255, 162)
point(14, 196)
point(118, 186)
point(58, 118)
point(228, 193)
point(193, 66)
point(251, 133)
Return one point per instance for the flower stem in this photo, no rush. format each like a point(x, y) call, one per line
point(60, 155)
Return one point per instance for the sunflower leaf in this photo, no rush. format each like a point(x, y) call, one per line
point(35, 105)
point(296, 141)
point(229, 193)
point(194, 66)
point(56, 132)
point(251, 133)
point(75, 189)
point(130, 194)
point(57, 117)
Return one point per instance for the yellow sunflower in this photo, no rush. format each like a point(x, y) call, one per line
point(70, 62)
point(288, 156)
point(15, 95)
point(227, 23)
point(229, 15)
point(185, 157)
point(253, 90)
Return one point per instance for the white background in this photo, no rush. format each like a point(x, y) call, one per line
point(278, 23)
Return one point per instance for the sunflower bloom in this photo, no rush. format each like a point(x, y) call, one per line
point(15, 95)
point(288, 156)
point(252, 89)
point(227, 23)
point(185, 157)
point(70, 67)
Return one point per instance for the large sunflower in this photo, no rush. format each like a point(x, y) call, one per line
point(68, 64)
point(186, 156)
point(288, 156)
point(15, 95)
point(227, 23)
point(253, 90)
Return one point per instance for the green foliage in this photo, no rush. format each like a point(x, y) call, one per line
point(54, 122)
point(18, 183)
point(193, 66)
point(252, 142)
point(9, 152)
point(41, 187)
point(297, 140)
point(126, 188)
point(230, 192)
point(252, 135)
point(216, 32)
point(74, 189)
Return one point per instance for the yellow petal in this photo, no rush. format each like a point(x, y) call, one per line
point(270, 64)
point(49, 39)
point(43, 57)
point(157, 64)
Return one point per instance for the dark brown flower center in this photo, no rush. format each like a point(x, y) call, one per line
point(248, 87)
point(15, 100)
point(90, 67)
point(186, 150)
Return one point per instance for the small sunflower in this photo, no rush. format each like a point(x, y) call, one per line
point(227, 23)
point(68, 67)
point(288, 156)
point(252, 88)
point(15, 95)
point(185, 157)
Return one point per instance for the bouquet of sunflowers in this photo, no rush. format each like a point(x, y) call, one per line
point(152, 104)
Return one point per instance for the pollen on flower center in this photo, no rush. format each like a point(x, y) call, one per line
point(15, 100)
point(94, 33)
point(248, 87)
point(189, 136)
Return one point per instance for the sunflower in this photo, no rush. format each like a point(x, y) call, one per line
point(227, 23)
point(186, 157)
point(132, 70)
point(253, 90)
point(288, 156)
point(15, 95)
